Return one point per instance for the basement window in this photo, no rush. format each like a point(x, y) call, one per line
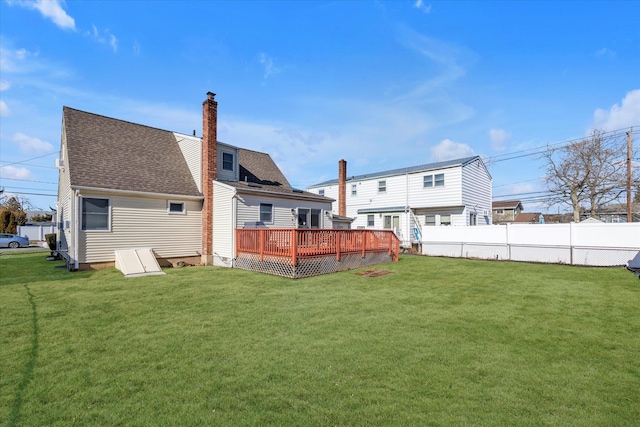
point(175, 208)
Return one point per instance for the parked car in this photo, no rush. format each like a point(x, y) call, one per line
point(13, 241)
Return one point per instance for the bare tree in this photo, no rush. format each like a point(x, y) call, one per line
point(586, 174)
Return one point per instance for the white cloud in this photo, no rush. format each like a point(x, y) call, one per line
point(106, 39)
point(419, 4)
point(606, 52)
point(4, 109)
point(499, 138)
point(618, 116)
point(30, 144)
point(447, 150)
point(51, 9)
point(15, 173)
point(4, 85)
point(267, 62)
point(136, 48)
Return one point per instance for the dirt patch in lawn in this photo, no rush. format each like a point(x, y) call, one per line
point(373, 273)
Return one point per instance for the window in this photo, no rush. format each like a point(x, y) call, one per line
point(473, 219)
point(370, 220)
point(445, 219)
point(266, 212)
point(175, 207)
point(427, 181)
point(227, 161)
point(303, 218)
point(440, 180)
point(382, 186)
point(354, 189)
point(321, 192)
point(430, 220)
point(499, 211)
point(315, 218)
point(387, 222)
point(95, 214)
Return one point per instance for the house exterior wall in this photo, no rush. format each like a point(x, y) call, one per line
point(223, 174)
point(137, 222)
point(223, 224)
point(248, 211)
point(477, 192)
point(191, 147)
point(465, 188)
point(65, 204)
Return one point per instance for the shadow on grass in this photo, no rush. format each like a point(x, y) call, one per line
point(14, 416)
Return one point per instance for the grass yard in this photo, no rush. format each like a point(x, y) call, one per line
point(436, 342)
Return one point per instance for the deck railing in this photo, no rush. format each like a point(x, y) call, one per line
point(298, 243)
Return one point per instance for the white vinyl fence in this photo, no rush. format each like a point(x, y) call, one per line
point(36, 232)
point(596, 244)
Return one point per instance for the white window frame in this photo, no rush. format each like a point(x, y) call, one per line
point(321, 192)
point(445, 219)
point(260, 213)
point(438, 180)
point(224, 162)
point(382, 186)
point(430, 220)
point(183, 211)
point(427, 181)
point(83, 219)
point(371, 220)
point(354, 189)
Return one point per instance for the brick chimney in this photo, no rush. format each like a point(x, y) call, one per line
point(342, 187)
point(209, 172)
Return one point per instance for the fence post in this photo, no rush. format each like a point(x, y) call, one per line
point(237, 241)
point(338, 242)
point(261, 245)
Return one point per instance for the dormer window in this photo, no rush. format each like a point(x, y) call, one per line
point(227, 161)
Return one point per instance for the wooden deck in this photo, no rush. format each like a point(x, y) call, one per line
point(287, 251)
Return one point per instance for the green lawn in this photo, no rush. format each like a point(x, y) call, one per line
point(436, 342)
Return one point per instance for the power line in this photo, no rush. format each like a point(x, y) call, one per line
point(28, 160)
point(28, 180)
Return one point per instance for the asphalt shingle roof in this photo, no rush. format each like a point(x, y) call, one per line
point(114, 154)
point(402, 171)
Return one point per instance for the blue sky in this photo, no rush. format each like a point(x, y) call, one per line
point(382, 84)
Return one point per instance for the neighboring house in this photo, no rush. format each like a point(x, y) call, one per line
point(616, 213)
point(506, 211)
point(410, 200)
point(124, 185)
point(529, 218)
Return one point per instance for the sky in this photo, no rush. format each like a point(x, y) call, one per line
point(381, 84)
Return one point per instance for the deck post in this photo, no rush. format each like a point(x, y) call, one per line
point(338, 242)
point(365, 235)
point(294, 246)
point(261, 245)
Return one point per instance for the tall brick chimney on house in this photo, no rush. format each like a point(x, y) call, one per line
point(342, 187)
point(209, 172)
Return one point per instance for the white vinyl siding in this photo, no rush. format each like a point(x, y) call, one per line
point(66, 207)
point(477, 191)
point(223, 229)
point(225, 174)
point(191, 147)
point(143, 222)
point(284, 211)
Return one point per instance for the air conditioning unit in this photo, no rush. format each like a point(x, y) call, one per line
point(485, 212)
point(60, 163)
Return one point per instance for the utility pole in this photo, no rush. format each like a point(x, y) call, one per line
point(629, 206)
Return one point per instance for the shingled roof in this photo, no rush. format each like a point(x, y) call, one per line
point(117, 155)
point(412, 169)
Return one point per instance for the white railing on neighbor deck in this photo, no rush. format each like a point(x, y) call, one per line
point(595, 244)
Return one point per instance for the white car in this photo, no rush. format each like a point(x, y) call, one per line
point(13, 241)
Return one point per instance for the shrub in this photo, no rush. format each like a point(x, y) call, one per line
point(51, 241)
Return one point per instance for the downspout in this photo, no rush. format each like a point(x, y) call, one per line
point(76, 230)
